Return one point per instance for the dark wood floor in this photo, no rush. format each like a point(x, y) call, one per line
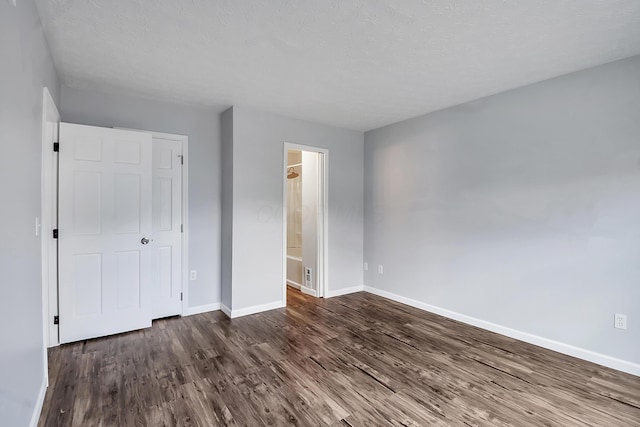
point(353, 360)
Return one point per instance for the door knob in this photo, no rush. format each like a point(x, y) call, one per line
point(145, 240)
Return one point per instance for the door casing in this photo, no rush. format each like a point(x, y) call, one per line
point(322, 277)
point(48, 221)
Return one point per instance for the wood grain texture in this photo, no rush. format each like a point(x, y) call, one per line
point(355, 360)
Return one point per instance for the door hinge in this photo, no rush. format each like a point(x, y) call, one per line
point(55, 233)
point(182, 228)
point(56, 320)
point(181, 159)
point(180, 296)
point(56, 146)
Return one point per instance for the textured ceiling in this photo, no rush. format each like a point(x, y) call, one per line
point(359, 64)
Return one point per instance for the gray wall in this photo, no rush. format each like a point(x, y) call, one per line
point(258, 168)
point(521, 209)
point(202, 126)
point(26, 68)
point(227, 205)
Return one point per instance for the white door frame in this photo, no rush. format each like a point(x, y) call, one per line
point(322, 278)
point(49, 222)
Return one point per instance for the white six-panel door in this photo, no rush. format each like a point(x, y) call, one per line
point(105, 213)
point(167, 222)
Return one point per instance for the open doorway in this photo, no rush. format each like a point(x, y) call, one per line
point(305, 220)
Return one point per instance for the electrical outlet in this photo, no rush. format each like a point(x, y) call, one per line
point(194, 275)
point(620, 321)
point(380, 269)
point(366, 266)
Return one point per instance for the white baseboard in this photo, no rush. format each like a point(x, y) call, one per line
point(294, 284)
point(202, 309)
point(251, 310)
point(226, 310)
point(303, 289)
point(343, 291)
point(35, 417)
point(308, 291)
point(580, 353)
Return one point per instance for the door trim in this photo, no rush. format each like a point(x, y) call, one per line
point(48, 221)
point(322, 240)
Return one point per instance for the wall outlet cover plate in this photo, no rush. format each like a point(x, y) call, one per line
point(620, 321)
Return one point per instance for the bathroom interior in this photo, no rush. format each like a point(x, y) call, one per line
point(302, 217)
